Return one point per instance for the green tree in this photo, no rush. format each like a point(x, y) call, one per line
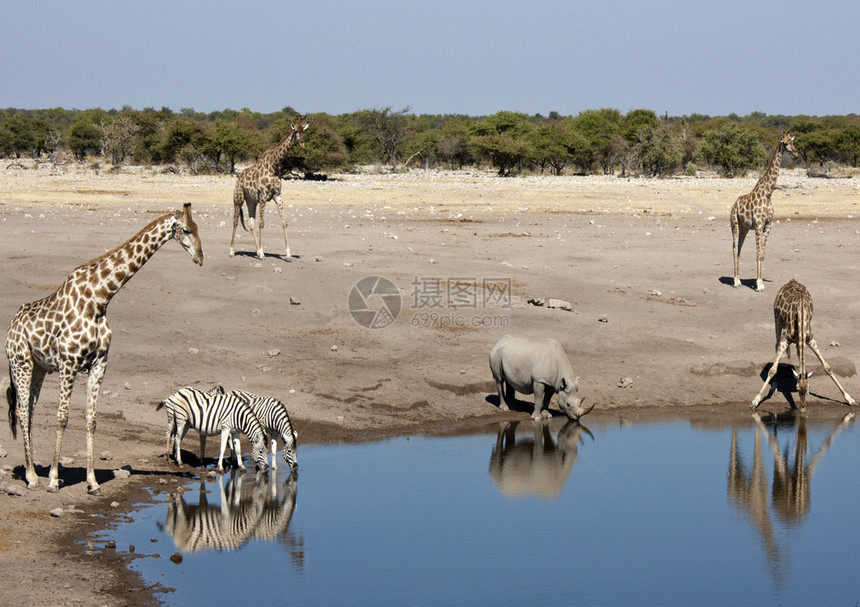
point(659, 150)
point(231, 142)
point(502, 139)
point(597, 127)
point(732, 148)
point(85, 136)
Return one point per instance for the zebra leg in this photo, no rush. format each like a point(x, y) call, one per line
point(202, 450)
point(274, 443)
point(236, 450)
point(181, 429)
point(225, 438)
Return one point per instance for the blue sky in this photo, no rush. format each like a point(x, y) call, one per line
point(437, 56)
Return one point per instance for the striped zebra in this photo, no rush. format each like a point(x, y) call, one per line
point(212, 414)
point(205, 526)
point(276, 424)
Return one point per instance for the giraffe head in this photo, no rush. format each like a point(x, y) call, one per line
point(802, 386)
point(185, 231)
point(298, 127)
point(787, 142)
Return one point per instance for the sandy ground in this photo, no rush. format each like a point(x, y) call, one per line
point(645, 265)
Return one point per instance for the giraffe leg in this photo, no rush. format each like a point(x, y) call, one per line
point(237, 213)
point(739, 233)
point(27, 380)
point(760, 244)
point(67, 382)
point(280, 207)
point(252, 225)
point(829, 372)
point(94, 383)
point(783, 345)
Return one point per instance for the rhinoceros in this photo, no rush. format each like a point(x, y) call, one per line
point(539, 367)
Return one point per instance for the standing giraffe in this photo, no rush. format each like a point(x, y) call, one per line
point(755, 211)
point(261, 183)
point(792, 313)
point(68, 332)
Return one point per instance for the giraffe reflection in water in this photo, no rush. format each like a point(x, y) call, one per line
point(251, 508)
point(790, 497)
point(537, 465)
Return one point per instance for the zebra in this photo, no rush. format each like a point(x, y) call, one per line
point(276, 423)
point(212, 414)
point(205, 526)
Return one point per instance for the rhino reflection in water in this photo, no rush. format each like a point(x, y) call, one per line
point(789, 493)
point(256, 512)
point(535, 465)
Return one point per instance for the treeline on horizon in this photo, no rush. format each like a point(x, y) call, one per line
point(603, 141)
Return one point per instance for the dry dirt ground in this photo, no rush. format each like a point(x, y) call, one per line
point(645, 265)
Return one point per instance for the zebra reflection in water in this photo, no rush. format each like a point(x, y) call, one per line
point(250, 508)
point(790, 490)
point(536, 465)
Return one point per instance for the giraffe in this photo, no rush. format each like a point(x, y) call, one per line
point(68, 332)
point(755, 211)
point(792, 313)
point(261, 183)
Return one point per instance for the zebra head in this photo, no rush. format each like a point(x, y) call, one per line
point(290, 451)
point(258, 453)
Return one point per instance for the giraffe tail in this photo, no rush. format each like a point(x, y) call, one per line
point(242, 219)
point(12, 397)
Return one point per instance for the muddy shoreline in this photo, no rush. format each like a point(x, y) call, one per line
point(654, 328)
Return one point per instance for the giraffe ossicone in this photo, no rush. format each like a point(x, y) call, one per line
point(67, 332)
point(754, 211)
point(261, 183)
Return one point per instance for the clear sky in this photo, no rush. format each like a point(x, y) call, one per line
point(437, 56)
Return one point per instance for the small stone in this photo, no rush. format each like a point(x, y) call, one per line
point(317, 259)
point(127, 386)
point(57, 512)
point(193, 351)
point(114, 504)
point(334, 348)
point(536, 301)
point(294, 302)
point(111, 544)
point(603, 318)
point(277, 270)
point(176, 557)
point(292, 391)
point(559, 303)
point(3, 452)
point(834, 343)
point(273, 353)
point(121, 473)
point(66, 461)
point(15, 490)
point(625, 382)
point(655, 292)
point(105, 455)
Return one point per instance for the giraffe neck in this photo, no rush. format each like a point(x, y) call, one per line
point(100, 279)
point(767, 182)
point(274, 156)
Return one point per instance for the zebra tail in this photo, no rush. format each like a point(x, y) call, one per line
point(12, 397)
point(160, 405)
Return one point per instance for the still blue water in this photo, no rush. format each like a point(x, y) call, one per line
point(662, 513)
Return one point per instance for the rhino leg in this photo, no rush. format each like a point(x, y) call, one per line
point(542, 397)
point(503, 401)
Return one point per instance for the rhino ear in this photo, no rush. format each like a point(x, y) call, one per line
point(563, 384)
